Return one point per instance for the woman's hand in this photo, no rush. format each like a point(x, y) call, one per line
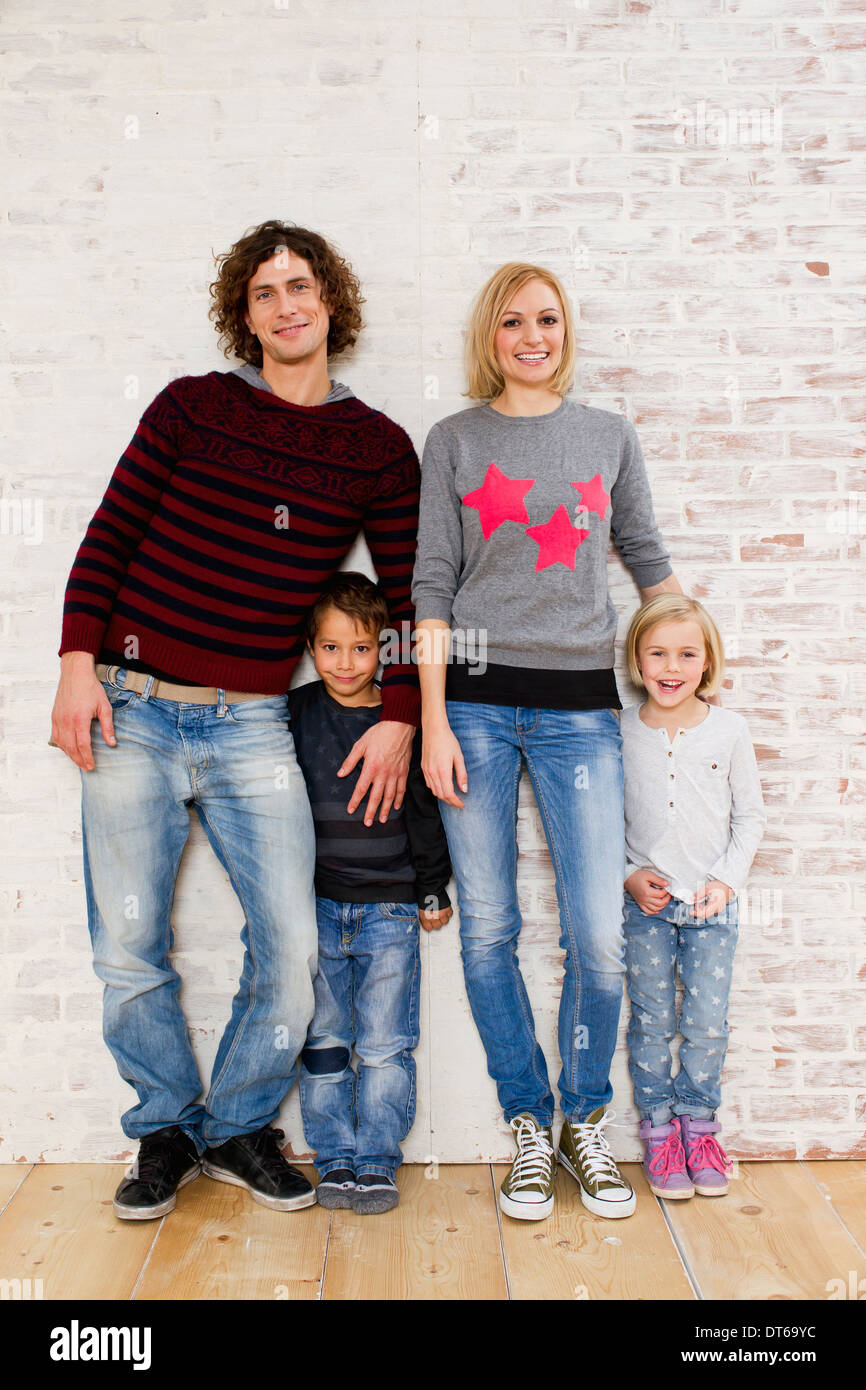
point(441, 760)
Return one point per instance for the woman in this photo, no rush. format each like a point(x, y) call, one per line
point(519, 498)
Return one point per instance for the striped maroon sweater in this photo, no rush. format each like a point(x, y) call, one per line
point(223, 519)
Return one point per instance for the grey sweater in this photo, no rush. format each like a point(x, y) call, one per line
point(503, 547)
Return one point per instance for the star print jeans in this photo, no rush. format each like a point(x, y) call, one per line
point(575, 766)
point(235, 765)
point(702, 954)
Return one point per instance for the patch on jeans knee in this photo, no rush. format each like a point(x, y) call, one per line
point(319, 1061)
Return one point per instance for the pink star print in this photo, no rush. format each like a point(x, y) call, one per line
point(593, 497)
point(557, 540)
point(499, 499)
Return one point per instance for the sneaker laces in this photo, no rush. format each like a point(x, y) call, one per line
point(154, 1155)
point(534, 1161)
point(594, 1152)
point(706, 1152)
point(265, 1144)
point(669, 1157)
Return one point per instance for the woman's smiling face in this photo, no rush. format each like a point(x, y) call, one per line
point(530, 336)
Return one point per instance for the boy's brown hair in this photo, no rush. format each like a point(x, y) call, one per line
point(356, 596)
point(339, 287)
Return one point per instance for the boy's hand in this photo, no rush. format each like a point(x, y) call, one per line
point(649, 889)
point(387, 752)
point(432, 921)
point(711, 898)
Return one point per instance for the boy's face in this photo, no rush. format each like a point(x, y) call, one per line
point(672, 659)
point(346, 656)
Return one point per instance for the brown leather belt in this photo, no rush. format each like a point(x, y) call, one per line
point(167, 690)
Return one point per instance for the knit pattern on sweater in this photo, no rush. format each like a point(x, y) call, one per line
point(223, 519)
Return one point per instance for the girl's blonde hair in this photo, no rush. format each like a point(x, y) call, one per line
point(676, 608)
point(486, 381)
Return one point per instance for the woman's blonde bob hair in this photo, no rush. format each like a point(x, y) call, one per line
point(676, 608)
point(486, 381)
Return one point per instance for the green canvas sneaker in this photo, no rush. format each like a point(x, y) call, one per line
point(527, 1192)
point(584, 1153)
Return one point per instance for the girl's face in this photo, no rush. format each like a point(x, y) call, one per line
point(530, 335)
point(672, 658)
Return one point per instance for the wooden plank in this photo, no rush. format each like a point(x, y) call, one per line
point(61, 1229)
point(220, 1244)
point(11, 1176)
point(772, 1236)
point(577, 1256)
point(842, 1182)
point(442, 1242)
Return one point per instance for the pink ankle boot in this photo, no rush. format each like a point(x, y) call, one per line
point(707, 1163)
point(664, 1160)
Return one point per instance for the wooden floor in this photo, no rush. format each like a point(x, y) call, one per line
point(785, 1231)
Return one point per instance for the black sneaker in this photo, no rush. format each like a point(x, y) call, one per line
point(167, 1159)
point(254, 1161)
point(335, 1190)
point(374, 1194)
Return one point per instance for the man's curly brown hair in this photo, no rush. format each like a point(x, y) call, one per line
point(338, 286)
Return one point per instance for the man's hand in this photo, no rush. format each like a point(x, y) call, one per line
point(710, 899)
point(387, 751)
point(649, 889)
point(80, 699)
point(432, 921)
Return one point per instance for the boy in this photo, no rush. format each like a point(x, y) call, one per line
point(373, 885)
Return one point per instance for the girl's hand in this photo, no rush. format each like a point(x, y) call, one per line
point(710, 899)
point(441, 759)
point(649, 889)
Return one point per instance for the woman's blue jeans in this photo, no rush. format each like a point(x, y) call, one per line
point(236, 766)
point(575, 765)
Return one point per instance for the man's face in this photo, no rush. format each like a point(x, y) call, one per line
point(285, 310)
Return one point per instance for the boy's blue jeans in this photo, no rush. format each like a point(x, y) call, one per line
point(236, 766)
point(575, 765)
point(702, 953)
point(367, 998)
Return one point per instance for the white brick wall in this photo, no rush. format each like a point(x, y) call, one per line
point(696, 171)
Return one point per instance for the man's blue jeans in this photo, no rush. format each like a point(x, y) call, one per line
point(575, 765)
point(367, 996)
point(236, 765)
point(702, 953)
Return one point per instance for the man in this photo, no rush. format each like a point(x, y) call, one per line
point(239, 496)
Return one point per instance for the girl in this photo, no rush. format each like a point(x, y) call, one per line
point(520, 497)
point(694, 817)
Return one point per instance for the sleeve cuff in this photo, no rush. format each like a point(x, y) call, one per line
point(431, 606)
point(402, 705)
point(645, 576)
point(441, 896)
point(79, 635)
